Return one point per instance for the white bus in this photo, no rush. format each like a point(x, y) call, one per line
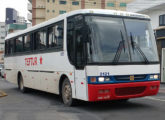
point(89, 54)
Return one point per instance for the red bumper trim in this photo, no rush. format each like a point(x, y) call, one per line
point(122, 90)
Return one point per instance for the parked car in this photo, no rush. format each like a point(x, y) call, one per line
point(3, 72)
point(1, 69)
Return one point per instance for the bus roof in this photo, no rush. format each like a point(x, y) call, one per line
point(81, 11)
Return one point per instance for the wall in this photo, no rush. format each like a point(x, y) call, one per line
point(44, 10)
point(154, 14)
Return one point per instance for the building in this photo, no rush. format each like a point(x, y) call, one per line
point(2, 40)
point(2, 35)
point(29, 7)
point(43, 10)
point(11, 16)
point(155, 9)
point(16, 27)
point(14, 22)
point(21, 19)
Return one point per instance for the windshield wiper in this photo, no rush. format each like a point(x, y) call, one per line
point(119, 49)
point(135, 45)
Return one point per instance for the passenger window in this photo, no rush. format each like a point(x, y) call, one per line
point(70, 40)
point(58, 34)
point(55, 36)
point(6, 47)
point(36, 40)
point(42, 41)
point(11, 46)
point(27, 42)
point(50, 37)
point(19, 44)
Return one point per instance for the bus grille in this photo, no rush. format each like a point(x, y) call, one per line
point(129, 90)
point(127, 77)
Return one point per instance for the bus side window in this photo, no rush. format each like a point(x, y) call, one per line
point(27, 46)
point(59, 34)
point(71, 40)
point(12, 46)
point(42, 41)
point(50, 36)
point(19, 44)
point(6, 47)
point(56, 35)
point(36, 40)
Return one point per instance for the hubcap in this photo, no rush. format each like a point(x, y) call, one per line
point(67, 93)
point(21, 85)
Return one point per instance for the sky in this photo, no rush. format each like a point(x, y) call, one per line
point(19, 5)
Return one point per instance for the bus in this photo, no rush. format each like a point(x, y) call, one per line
point(89, 54)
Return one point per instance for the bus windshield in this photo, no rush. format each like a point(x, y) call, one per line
point(120, 40)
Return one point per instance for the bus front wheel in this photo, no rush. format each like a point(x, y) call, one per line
point(67, 93)
point(21, 86)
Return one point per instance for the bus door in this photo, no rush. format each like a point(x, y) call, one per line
point(76, 54)
point(80, 72)
point(81, 88)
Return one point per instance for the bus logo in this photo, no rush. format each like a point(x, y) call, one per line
point(132, 77)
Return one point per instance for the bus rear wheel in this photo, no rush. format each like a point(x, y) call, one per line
point(67, 93)
point(21, 86)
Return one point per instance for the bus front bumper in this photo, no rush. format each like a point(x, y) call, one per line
point(118, 91)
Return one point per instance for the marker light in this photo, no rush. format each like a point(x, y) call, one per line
point(101, 79)
point(93, 79)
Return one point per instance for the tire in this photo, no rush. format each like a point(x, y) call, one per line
point(67, 93)
point(21, 86)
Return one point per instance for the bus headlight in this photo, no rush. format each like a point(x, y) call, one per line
point(154, 77)
point(151, 76)
point(107, 79)
point(101, 79)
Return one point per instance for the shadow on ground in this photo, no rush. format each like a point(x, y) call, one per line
point(55, 100)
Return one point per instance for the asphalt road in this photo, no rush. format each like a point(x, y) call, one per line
point(37, 105)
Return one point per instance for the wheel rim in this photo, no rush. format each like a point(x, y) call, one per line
point(67, 93)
